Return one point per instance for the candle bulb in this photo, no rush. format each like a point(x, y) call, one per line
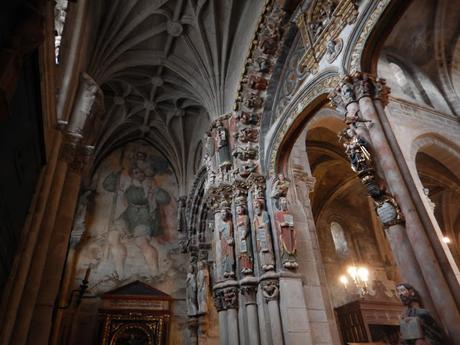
point(88, 271)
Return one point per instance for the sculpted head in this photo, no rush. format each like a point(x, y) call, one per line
point(407, 294)
point(283, 203)
point(258, 206)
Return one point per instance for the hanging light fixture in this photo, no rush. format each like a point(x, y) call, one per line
point(446, 239)
point(359, 276)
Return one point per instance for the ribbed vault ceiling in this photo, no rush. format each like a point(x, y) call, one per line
point(168, 67)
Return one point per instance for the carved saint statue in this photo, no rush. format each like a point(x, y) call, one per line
point(202, 278)
point(286, 232)
point(357, 151)
point(261, 224)
point(191, 291)
point(244, 239)
point(225, 229)
point(280, 186)
point(223, 146)
point(209, 152)
point(417, 326)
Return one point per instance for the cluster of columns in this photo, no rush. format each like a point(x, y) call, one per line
point(36, 285)
point(363, 97)
point(246, 284)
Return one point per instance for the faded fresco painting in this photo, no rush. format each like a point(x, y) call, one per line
point(130, 223)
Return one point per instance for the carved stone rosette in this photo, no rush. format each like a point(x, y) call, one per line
point(354, 139)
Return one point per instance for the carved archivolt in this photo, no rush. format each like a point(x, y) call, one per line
point(315, 90)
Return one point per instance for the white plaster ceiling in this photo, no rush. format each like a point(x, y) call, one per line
point(168, 67)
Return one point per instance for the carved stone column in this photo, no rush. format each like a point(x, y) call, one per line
point(48, 264)
point(366, 143)
point(270, 291)
point(226, 303)
point(248, 292)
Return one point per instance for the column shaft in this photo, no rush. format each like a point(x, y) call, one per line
point(52, 274)
point(429, 266)
point(253, 324)
point(223, 327)
point(232, 327)
point(275, 322)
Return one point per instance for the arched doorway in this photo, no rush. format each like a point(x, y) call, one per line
point(437, 164)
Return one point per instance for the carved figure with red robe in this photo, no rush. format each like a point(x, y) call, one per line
point(244, 241)
point(261, 224)
point(286, 233)
point(225, 229)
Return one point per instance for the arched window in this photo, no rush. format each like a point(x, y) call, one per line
point(340, 242)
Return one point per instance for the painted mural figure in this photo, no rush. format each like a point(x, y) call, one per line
point(223, 146)
point(244, 239)
point(225, 229)
point(202, 278)
point(261, 224)
point(191, 291)
point(286, 232)
point(142, 217)
point(417, 326)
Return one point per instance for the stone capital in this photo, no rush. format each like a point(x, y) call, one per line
point(270, 289)
point(74, 152)
point(355, 86)
point(226, 298)
point(248, 293)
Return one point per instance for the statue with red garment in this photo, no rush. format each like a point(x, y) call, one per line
point(261, 224)
point(286, 233)
point(243, 233)
point(225, 229)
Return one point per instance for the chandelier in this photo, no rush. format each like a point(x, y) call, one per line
point(359, 276)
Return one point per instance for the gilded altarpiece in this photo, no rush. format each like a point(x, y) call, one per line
point(135, 314)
